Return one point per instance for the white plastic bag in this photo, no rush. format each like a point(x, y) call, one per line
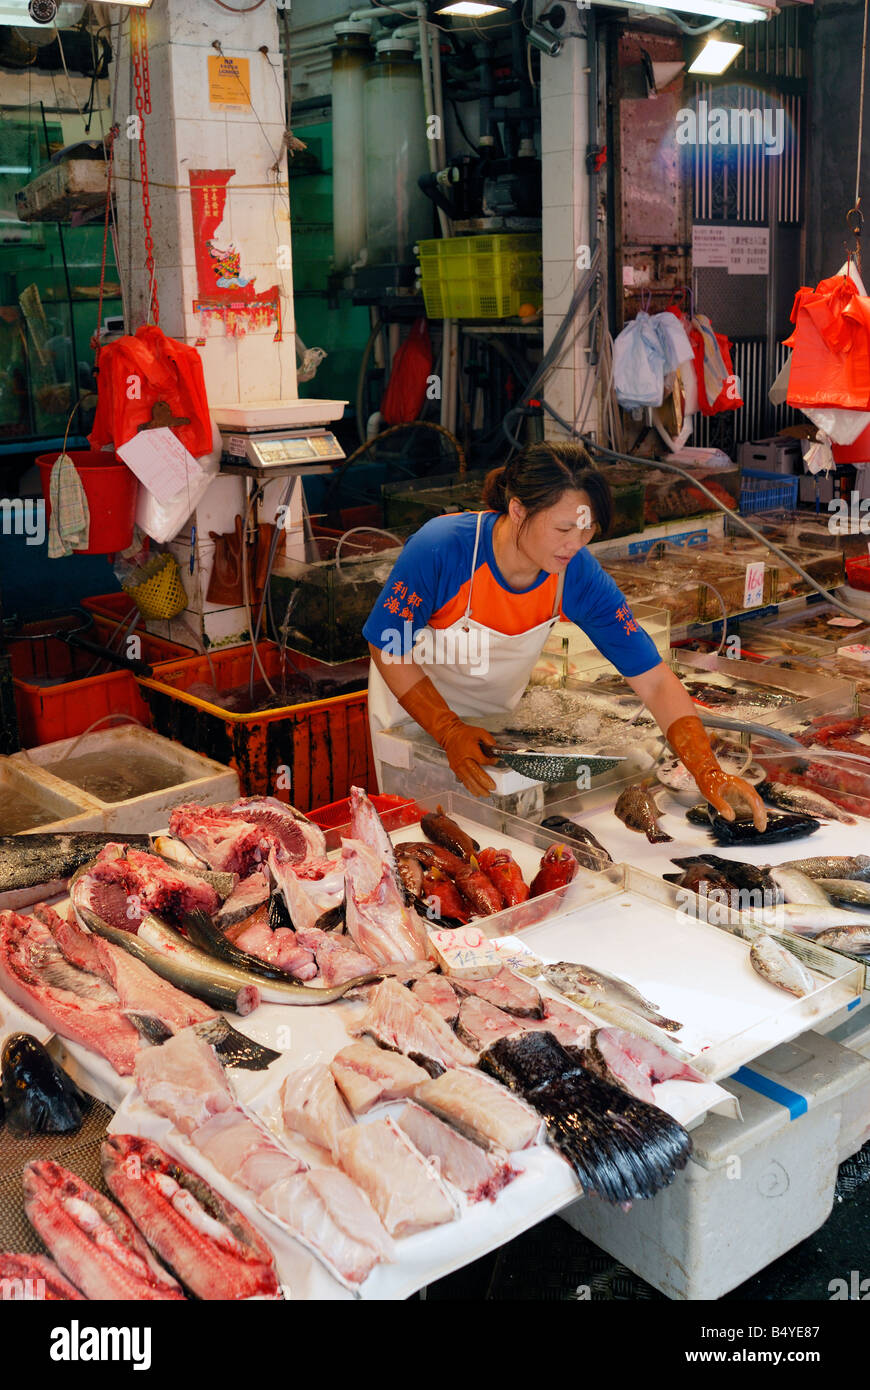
point(638, 365)
point(162, 521)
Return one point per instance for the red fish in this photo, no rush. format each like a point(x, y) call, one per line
point(478, 889)
point(94, 1243)
point(503, 869)
point(208, 1243)
point(433, 856)
point(444, 896)
point(558, 867)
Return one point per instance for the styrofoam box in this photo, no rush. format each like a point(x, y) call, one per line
point(200, 779)
point(780, 454)
point(68, 808)
point(752, 1189)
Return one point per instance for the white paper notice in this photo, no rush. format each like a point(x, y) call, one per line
point(710, 246)
point(160, 462)
point(749, 250)
point(753, 589)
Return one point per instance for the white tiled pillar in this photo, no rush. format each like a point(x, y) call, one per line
point(564, 139)
point(186, 131)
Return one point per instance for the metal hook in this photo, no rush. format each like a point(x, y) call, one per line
point(855, 223)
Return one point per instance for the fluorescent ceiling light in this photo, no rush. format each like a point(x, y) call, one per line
point(470, 9)
point(713, 9)
point(14, 168)
point(715, 57)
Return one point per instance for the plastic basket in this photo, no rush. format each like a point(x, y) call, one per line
point(858, 572)
point(338, 812)
point(162, 594)
point(767, 492)
point(485, 277)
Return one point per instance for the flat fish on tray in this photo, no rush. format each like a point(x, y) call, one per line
point(744, 832)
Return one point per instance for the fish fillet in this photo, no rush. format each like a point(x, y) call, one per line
point(204, 1240)
point(402, 1187)
point(329, 1215)
point(397, 1019)
point(367, 1074)
point(507, 991)
point(232, 1139)
point(380, 923)
point(480, 1174)
point(184, 1081)
point(94, 1243)
point(314, 1107)
point(481, 1109)
point(439, 994)
point(337, 957)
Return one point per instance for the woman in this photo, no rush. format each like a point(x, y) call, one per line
point(465, 613)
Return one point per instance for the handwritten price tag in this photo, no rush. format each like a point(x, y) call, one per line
point(753, 586)
point(465, 951)
point(844, 622)
point(858, 652)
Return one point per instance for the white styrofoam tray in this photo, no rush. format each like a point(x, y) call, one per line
point(69, 808)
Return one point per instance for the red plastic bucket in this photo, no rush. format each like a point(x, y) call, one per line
point(111, 491)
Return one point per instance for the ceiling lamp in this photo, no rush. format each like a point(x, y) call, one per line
point(715, 57)
point(470, 9)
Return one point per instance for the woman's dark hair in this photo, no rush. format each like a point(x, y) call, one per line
point(539, 475)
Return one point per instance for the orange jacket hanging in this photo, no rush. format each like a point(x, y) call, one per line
point(137, 372)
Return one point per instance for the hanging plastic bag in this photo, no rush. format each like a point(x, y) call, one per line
point(412, 366)
point(830, 346)
point(714, 371)
point(639, 365)
point(162, 521)
point(137, 372)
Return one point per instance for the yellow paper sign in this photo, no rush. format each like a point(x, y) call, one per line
point(229, 81)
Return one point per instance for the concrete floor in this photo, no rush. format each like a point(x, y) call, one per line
point(551, 1261)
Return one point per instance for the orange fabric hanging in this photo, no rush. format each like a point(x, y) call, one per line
point(830, 346)
point(137, 372)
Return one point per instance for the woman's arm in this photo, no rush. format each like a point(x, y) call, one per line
point(400, 673)
point(674, 711)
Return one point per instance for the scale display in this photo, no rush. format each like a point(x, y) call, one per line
point(274, 450)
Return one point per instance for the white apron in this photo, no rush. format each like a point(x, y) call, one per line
point(477, 670)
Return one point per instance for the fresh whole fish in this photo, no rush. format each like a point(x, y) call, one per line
point(558, 867)
point(94, 1243)
point(566, 976)
point(637, 809)
point(503, 870)
point(177, 960)
point(807, 919)
point(212, 1249)
point(853, 939)
point(478, 889)
point(808, 803)
point(442, 899)
point(778, 966)
point(846, 890)
point(34, 868)
point(798, 888)
point(410, 872)
point(445, 832)
point(572, 830)
point(737, 874)
point(433, 856)
point(86, 989)
point(38, 1097)
point(620, 1147)
point(855, 866)
point(24, 1278)
point(788, 826)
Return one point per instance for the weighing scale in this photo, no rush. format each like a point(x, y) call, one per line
point(272, 453)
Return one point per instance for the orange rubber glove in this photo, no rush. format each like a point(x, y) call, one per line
point(688, 738)
point(466, 746)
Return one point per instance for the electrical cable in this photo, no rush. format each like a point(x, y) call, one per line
point(611, 455)
point(234, 9)
point(339, 473)
point(405, 15)
point(688, 28)
point(361, 379)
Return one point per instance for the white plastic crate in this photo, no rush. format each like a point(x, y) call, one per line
point(199, 779)
point(753, 1188)
point(781, 454)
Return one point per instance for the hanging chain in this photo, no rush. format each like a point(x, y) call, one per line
point(142, 86)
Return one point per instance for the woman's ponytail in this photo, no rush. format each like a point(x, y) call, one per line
point(495, 497)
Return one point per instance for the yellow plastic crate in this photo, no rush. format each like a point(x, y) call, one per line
point(488, 277)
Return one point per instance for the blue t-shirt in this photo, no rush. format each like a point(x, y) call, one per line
point(430, 582)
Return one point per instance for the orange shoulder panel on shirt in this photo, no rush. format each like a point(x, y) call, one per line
point(496, 607)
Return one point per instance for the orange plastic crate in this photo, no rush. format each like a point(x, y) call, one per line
point(338, 812)
point(321, 748)
point(47, 713)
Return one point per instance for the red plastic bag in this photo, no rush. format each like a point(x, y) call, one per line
point(717, 384)
point(137, 372)
point(830, 345)
point(412, 366)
